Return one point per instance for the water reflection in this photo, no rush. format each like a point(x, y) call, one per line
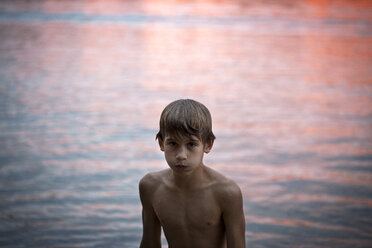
point(83, 84)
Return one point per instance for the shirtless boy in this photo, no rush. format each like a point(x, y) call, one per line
point(196, 206)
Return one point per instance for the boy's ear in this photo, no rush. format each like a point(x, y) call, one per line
point(208, 146)
point(161, 144)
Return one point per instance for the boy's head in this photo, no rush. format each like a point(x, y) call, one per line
point(186, 117)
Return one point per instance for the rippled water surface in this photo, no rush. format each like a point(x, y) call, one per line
point(82, 85)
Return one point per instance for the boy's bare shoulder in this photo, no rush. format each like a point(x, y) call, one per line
point(152, 179)
point(225, 188)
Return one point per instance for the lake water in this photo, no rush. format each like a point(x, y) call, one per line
point(82, 85)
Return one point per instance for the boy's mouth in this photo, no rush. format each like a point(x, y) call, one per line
point(180, 166)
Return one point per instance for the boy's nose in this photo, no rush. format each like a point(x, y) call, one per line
point(181, 154)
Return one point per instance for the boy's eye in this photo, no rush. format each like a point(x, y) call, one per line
point(171, 143)
point(192, 144)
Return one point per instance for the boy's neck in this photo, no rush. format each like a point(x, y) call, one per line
point(188, 181)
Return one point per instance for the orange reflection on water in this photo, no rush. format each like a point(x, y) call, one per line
point(327, 8)
point(338, 61)
point(321, 6)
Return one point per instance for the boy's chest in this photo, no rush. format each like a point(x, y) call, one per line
point(197, 210)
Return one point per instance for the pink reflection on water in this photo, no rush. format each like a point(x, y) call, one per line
point(302, 198)
point(90, 7)
point(87, 166)
point(290, 172)
point(113, 210)
point(256, 180)
point(317, 9)
point(286, 8)
point(294, 223)
point(273, 89)
point(254, 236)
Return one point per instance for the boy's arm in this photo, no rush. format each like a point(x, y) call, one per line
point(233, 216)
point(151, 226)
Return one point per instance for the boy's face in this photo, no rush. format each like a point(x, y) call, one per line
point(184, 154)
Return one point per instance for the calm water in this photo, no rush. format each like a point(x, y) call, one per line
point(82, 85)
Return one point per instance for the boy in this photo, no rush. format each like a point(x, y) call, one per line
point(196, 206)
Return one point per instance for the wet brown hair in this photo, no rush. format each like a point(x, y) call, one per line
point(186, 117)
